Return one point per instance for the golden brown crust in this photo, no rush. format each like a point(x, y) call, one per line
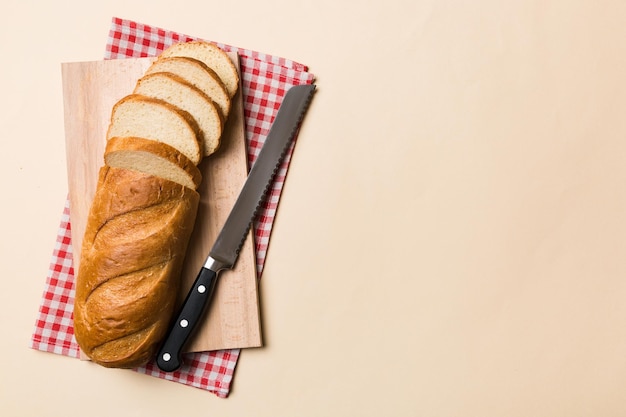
point(134, 245)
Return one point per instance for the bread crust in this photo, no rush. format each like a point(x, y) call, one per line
point(135, 242)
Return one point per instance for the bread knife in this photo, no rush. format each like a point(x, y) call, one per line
point(225, 250)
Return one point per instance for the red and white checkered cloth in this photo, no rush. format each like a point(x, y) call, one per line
point(265, 80)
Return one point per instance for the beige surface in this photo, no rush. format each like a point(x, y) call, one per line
point(451, 236)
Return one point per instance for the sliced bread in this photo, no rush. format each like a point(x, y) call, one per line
point(152, 157)
point(174, 90)
point(211, 55)
point(150, 118)
point(199, 75)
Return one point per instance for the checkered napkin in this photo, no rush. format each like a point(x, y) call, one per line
point(265, 80)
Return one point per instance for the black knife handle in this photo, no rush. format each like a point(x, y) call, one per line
point(169, 357)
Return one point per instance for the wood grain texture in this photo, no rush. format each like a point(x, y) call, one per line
point(90, 89)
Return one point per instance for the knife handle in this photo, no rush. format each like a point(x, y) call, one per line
point(169, 357)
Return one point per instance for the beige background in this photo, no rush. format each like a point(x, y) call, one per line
point(451, 237)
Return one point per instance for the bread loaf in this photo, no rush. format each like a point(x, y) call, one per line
point(134, 245)
point(142, 216)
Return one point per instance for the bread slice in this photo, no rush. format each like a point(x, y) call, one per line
point(150, 118)
point(176, 91)
point(211, 55)
point(152, 157)
point(199, 75)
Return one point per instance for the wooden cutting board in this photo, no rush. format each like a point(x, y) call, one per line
point(90, 89)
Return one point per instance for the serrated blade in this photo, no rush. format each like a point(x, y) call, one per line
point(225, 250)
point(231, 238)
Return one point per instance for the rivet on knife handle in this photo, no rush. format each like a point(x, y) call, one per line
point(169, 357)
point(225, 250)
